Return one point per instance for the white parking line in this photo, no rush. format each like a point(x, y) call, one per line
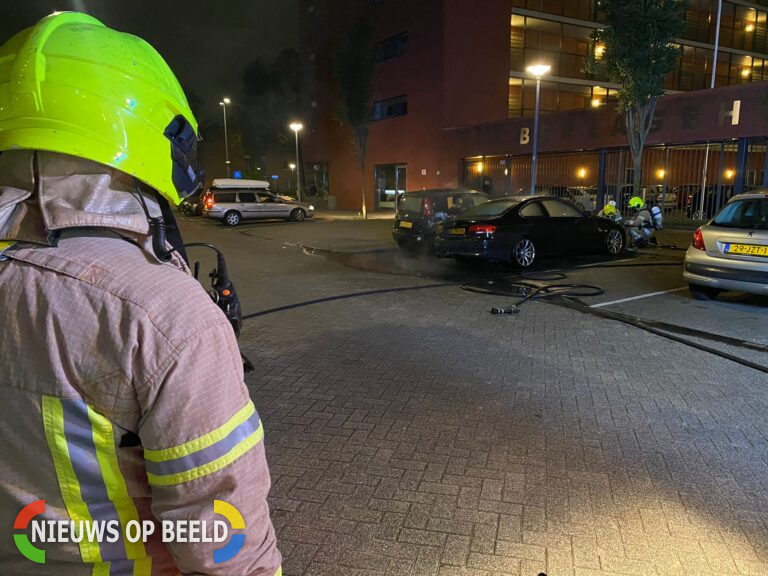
point(604, 263)
point(640, 297)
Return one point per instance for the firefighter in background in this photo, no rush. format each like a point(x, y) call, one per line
point(610, 212)
point(117, 403)
point(641, 224)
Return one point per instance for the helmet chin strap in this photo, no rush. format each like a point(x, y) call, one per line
point(157, 228)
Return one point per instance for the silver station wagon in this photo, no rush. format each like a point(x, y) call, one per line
point(233, 201)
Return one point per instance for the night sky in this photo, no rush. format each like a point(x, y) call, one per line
point(207, 43)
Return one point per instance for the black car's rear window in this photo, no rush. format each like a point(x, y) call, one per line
point(747, 213)
point(490, 209)
point(409, 203)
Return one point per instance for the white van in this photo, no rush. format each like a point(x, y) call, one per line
point(233, 200)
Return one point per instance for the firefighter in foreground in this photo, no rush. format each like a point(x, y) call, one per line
point(122, 394)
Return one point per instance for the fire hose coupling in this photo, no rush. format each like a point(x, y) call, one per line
point(505, 310)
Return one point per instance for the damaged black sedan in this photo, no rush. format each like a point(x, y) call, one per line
point(521, 229)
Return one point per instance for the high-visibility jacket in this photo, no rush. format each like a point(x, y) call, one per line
point(121, 387)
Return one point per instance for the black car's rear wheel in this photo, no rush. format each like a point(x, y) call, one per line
point(524, 253)
point(614, 242)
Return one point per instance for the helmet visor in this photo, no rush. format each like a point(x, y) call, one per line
point(187, 178)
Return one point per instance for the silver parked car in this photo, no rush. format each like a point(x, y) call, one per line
point(233, 201)
point(731, 251)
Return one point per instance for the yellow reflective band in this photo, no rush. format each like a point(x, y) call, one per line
point(142, 566)
point(210, 467)
point(104, 441)
point(279, 571)
point(53, 422)
point(204, 441)
point(4, 245)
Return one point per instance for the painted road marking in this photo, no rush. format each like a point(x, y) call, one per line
point(605, 264)
point(640, 297)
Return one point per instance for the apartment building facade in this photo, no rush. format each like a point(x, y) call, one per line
point(452, 104)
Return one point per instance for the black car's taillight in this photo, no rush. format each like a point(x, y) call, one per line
point(427, 210)
point(482, 229)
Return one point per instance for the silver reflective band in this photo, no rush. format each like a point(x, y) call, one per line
point(207, 454)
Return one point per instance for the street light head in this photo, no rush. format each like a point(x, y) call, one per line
point(296, 126)
point(538, 70)
point(292, 166)
point(227, 101)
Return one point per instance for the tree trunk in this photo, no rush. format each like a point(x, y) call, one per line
point(363, 208)
point(639, 119)
point(361, 152)
point(637, 173)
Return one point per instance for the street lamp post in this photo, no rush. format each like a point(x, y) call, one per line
point(296, 127)
point(538, 71)
point(223, 105)
point(292, 166)
point(700, 212)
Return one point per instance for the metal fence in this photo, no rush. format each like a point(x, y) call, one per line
point(689, 182)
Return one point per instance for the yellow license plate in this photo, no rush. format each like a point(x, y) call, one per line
point(746, 249)
point(457, 231)
point(404, 224)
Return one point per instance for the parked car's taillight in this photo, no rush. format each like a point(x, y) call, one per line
point(486, 229)
point(427, 210)
point(698, 240)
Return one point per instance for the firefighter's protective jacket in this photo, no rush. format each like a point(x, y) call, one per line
point(121, 390)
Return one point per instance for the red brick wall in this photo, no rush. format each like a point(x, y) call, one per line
point(476, 37)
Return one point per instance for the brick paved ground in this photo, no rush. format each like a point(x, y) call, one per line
point(412, 433)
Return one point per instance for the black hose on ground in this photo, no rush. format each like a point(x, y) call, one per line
point(650, 326)
point(344, 297)
point(526, 291)
point(567, 295)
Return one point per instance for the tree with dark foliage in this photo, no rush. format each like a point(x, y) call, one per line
point(354, 76)
point(639, 51)
point(272, 101)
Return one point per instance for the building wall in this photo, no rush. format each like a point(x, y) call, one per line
point(456, 74)
point(476, 65)
point(414, 138)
